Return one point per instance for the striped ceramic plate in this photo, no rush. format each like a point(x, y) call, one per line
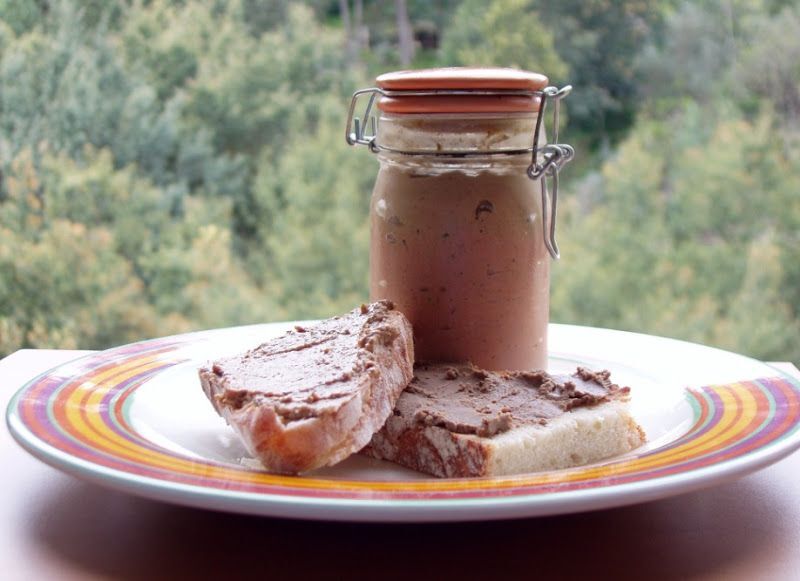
point(134, 418)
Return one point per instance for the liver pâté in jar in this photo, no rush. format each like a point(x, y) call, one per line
point(462, 218)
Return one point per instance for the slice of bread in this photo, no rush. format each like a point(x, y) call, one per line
point(460, 421)
point(315, 395)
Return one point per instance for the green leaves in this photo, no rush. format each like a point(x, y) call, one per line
point(506, 33)
point(173, 165)
point(91, 256)
point(313, 220)
point(128, 150)
point(685, 240)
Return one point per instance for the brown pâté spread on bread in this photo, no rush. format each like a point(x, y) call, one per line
point(315, 395)
point(467, 400)
point(455, 420)
point(318, 394)
point(308, 371)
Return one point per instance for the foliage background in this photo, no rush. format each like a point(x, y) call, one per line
point(169, 165)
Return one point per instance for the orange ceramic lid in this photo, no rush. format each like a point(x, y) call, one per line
point(460, 79)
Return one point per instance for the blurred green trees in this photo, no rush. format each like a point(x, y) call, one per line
point(694, 221)
point(472, 38)
point(162, 152)
point(171, 165)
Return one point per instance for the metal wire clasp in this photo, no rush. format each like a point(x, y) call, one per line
point(355, 132)
point(546, 160)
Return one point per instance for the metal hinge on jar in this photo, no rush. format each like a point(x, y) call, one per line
point(546, 160)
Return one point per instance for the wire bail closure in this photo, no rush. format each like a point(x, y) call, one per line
point(358, 136)
point(554, 156)
point(546, 160)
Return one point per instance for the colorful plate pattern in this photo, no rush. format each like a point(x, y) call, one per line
point(81, 418)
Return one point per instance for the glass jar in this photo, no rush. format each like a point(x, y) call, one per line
point(460, 240)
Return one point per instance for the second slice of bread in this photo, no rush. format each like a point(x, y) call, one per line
point(459, 421)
